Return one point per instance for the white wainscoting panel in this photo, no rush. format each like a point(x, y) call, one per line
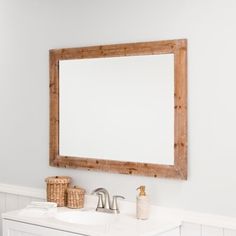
point(24, 201)
point(228, 232)
point(189, 229)
point(212, 231)
point(174, 232)
point(9, 201)
point(2, 209)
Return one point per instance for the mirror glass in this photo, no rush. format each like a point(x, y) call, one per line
point(118, 108)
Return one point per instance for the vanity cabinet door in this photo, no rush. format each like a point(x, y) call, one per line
point(14, 228)
point(173, 232)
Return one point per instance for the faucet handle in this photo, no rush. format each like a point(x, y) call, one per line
point(100, 195)
point(105, 199)
point(114, 205)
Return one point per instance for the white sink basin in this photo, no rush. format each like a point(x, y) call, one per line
point(86, 217)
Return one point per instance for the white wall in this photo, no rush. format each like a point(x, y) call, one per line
point(28, 28)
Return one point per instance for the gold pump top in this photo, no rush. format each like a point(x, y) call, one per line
point(141, 190)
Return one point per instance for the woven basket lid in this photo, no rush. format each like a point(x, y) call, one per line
point(75, 189)
point(58, 180)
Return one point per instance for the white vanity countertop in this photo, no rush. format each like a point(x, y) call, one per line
point(125, 223)
point(162, 219)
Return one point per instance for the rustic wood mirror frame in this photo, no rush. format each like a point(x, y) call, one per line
point(176, 47)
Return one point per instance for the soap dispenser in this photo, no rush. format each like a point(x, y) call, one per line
point(142, 204)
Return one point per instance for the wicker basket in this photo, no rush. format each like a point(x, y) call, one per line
point(56, 189)
point(75, 197)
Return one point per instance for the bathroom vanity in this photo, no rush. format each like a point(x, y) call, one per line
point(87, 221)
point(15, 224)
point(17, 228)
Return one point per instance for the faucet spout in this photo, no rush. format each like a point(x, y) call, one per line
point(104, 203)
point(106, 197)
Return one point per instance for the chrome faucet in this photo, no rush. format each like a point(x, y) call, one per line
point(104, 203)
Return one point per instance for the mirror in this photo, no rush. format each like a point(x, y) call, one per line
point(110, 107)
point(120, 108)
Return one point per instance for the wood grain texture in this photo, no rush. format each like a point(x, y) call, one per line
point(176, 47)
